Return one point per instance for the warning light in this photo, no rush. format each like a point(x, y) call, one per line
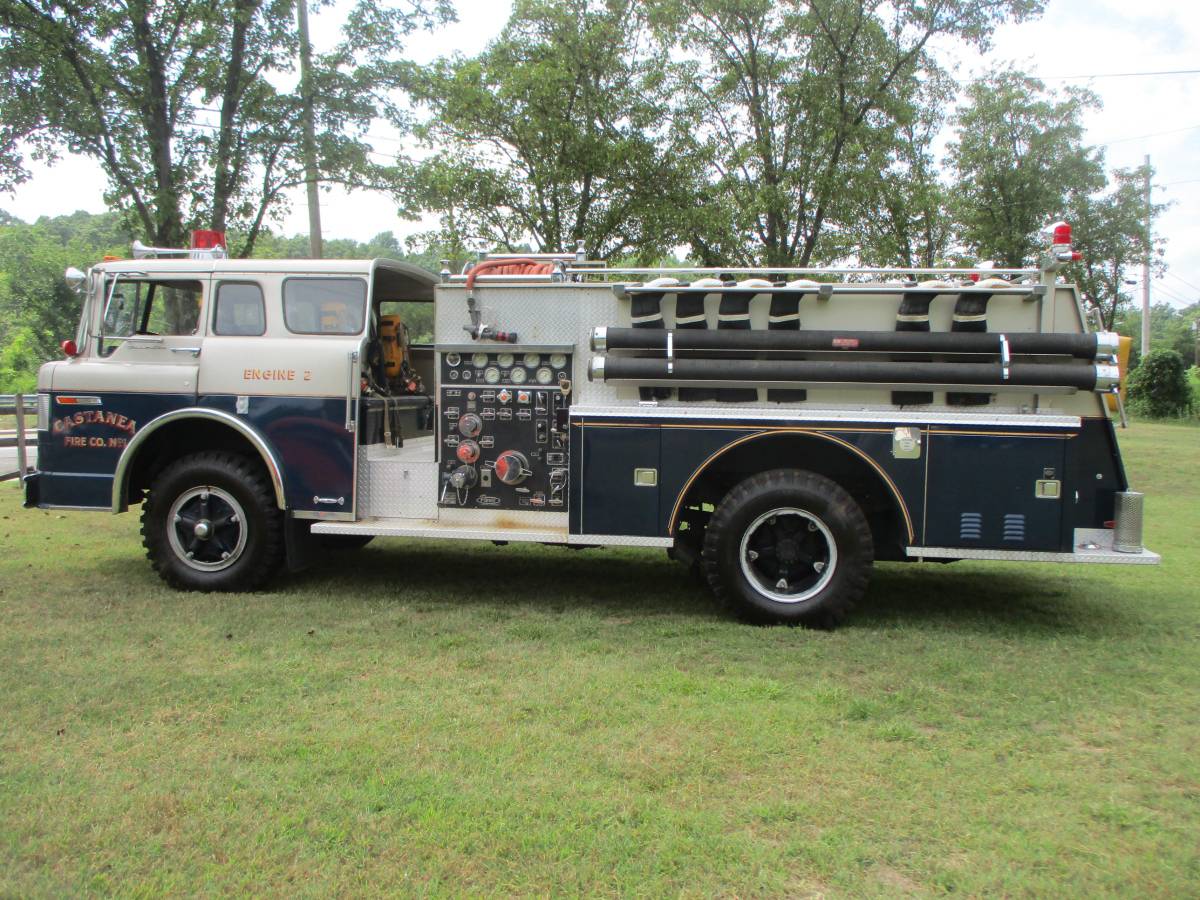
point(69, 348)
point(1061, 232)
point(207, 239)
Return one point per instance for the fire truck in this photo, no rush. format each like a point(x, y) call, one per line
point(778, 430)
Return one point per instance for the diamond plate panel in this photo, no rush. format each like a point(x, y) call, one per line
point(392, 484)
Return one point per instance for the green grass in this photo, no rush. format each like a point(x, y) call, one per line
point(437, 718)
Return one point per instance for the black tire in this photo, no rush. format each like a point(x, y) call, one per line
point(342, 542)
point(228, 496)
point(797, 527)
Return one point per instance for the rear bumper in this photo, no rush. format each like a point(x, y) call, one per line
point(1091, 545)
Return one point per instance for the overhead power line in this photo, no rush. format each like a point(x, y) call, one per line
point(1184, 281)
point(1120, 75)
point(1138, 137)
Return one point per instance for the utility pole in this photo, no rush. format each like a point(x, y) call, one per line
point(311, 176)
point(1145, 270)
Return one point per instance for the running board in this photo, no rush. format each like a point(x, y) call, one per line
point(434, 528)
point(1092, 545)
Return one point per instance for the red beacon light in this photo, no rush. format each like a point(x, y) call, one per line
point(70, 348)
point(1061, 240)
point(207, 239)
point(208, 244)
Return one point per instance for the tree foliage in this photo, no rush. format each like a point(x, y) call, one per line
point(1019, 162)
point(1159, 387)
point(35, 301)
point(792, 103)
point(553, 135)
point(1110, 232)
point(179, 102)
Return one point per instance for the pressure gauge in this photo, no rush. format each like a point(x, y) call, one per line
point(544, 375)
point(453, 359)
point(558, 360)
point(518, 376)
point(479, 360)
point(505, 360)
point(491, 375)
point(532, 360)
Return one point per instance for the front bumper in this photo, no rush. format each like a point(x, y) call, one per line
point(32, 482)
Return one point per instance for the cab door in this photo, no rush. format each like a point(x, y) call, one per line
point(140, 360)
point(283, 355)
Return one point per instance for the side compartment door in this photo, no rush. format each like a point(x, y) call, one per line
point(141, 360)
point(615, 479)
point(983, 491)
point(283, 355)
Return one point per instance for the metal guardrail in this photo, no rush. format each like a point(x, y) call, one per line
point(19, 405)
point(8, 403)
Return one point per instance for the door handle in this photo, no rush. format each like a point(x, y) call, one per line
point(195, 351)
point(351, 425)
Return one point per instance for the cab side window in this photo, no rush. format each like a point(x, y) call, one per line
point(324, 305)
point(239, 309)
point(155, 308)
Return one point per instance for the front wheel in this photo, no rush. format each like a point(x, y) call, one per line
point(789, 546)
point(211, 524)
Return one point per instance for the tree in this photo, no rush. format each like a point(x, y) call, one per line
point(178, 102)
point(1159, 386)
point(1110, 232)
point(899, 216)
point(35, 301)
point(554, 134)
point(19, 361)
point(790, 102)
point(1019, 162)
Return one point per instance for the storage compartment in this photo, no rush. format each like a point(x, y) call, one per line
point(407, 417)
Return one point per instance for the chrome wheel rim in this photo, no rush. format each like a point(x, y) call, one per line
point(788, 554)
point(206, 527)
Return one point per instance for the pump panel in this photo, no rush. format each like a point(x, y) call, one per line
point(502, 428)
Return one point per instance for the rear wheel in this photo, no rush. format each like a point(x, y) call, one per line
point(789, 546)
point(211, 524)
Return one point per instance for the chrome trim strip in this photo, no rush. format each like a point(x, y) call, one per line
point(873, 416)
point(120, 474)
point(432, 528)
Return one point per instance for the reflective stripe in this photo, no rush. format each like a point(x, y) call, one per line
point(732, 317)
point(962, 318)
point(790, 317)
point(688, 320)
point(653, 317)
point(913, 318)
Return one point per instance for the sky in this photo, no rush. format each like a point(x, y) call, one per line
point(1157, 115)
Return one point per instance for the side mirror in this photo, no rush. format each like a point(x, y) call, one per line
point(74, 278)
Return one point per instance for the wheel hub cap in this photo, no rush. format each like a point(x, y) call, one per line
point(788, 555)
point(206, 528)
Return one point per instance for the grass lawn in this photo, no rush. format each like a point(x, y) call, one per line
point(438, 718)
